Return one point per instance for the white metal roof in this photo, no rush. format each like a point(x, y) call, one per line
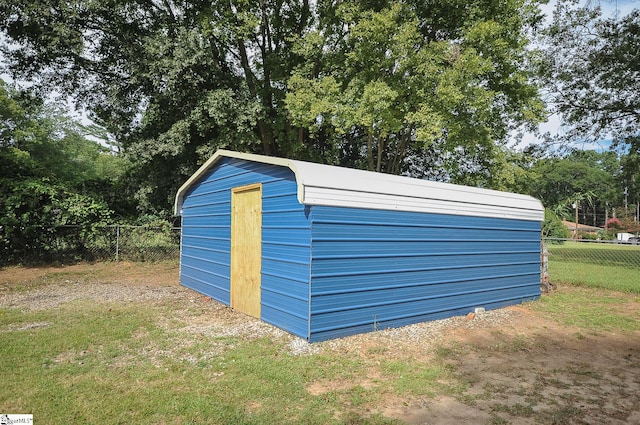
point(346, 187)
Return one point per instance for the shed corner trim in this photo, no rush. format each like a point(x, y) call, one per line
point(223, 153)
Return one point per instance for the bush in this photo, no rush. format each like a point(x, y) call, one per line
point(31, 215)
point(552, 226)
point(149, 242)
point(607, 235)
point(588, 236)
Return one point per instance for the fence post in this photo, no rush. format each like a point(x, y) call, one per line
point(117, 242)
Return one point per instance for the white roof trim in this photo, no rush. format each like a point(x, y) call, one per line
point(221, 153)
point(345, 187)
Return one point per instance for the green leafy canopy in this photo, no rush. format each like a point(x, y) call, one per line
point(412, 87)
point(408, 89)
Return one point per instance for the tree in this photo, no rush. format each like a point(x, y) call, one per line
point(590, 69)
point(49, 176)
point(630, 176)
point(583, 183)
point(427, 87)
point(171, 81)
point(552, 226)
point(174, 81)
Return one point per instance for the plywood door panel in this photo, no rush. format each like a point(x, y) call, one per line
point(246, 248)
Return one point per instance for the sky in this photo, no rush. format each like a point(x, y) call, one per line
point(553, 125)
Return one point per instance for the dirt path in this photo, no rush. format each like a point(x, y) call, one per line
point(514, 365)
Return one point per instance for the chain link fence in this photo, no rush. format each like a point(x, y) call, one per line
point(613, 265)
point(607, 253)
point(105, 243)
point(147, 243)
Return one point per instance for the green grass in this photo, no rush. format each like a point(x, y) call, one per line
point(602, 279)
point(595, 276)
point(613, 267)
point(95, 363)
point(88, 362)
point(597, 252)
point(590, 309)
point(416, 378)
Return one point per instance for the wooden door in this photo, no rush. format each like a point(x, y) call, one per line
point(246, 248)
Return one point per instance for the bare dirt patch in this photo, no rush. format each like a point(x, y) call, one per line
point(511, 366)
point(534, 370)
point(517, 367)
point(146, 274)
point(33, 288)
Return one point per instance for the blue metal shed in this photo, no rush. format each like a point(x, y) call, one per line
point(324, 252)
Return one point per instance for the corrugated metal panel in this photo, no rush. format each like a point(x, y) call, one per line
point(330, 271)
point(286, 239)
point(343, 187)
point(376, 269)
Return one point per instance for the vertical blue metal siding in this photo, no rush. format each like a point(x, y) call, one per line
point(286, 238)
point(374, 269)
point(333, 271)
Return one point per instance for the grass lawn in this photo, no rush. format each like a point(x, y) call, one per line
point(176, 361)
point(615, 267)
point(594, 310)
point(91, 363)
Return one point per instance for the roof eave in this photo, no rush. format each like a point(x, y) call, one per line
point(222, 153)
point(312, 180)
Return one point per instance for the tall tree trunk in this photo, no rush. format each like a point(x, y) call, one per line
point(369, 150)
point(266, 50)
point(380, 149)
point(251, 84)
point(401, 151)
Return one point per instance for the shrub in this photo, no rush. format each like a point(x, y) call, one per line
point(32, 215)
point(552, 226)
